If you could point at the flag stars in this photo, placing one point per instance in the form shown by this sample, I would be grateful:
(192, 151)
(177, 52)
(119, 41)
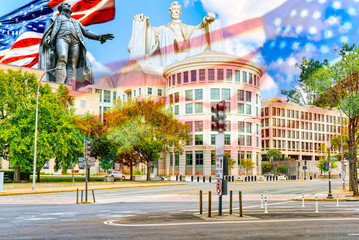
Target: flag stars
(277, 22)
(347, 26)
(299, 29)
(293, 12)
(332, 20)
(317, 15)
(295, 45)
(328, 34)
(337, 5)
(352, 11)
(304, 13)
(282, 45)
(344, 39)
(313, 30)
(324, 49)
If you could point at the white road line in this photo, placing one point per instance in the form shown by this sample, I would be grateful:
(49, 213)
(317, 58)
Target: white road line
(353, 234)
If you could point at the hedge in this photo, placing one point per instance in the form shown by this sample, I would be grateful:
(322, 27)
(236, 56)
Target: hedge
(10, 175)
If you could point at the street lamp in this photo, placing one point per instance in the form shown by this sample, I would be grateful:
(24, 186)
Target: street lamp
(330, 196)
(36, 116)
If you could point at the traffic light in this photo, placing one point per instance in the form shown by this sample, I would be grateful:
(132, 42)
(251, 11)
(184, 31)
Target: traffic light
(88, 148)
(219, 117)
(326, 164)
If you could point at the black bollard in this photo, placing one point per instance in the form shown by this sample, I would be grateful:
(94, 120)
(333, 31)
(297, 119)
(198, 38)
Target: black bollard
(252, 178)
(197, 178)
(176, 177)
(276, 178)
(232, 178)
(240, 204)
(210, 179)
(209, 204)
(93, 196)
(77, 196)
(255, 178)
(267, 178)
(200, 202)
(191, 178)
(204, 179)
(180, 178)
(230, 202)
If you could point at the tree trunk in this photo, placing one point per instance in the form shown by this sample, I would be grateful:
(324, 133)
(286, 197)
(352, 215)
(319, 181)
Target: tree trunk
(38, 177)
(17, 174)
(148, 170)
(131, 170)
(353, 185)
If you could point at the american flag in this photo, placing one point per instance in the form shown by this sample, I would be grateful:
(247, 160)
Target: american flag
(21, 30)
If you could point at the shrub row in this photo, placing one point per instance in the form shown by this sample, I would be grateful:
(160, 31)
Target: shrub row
(10, 175)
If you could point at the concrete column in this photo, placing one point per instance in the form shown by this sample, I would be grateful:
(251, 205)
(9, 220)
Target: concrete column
(206, 162)
(182, 164)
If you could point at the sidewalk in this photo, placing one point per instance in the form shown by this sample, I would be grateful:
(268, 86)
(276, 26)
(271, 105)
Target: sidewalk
(343, 195)
(23, 189)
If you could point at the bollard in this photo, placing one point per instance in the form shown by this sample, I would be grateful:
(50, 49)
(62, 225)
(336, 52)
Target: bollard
(176, 177)
(316, 203)
(267, 178)
(210, 179)
(197, 178)
(302, 199)
(180, 178)
(93, 196)
(245, 178)
(204, 179)
(276, 178)
(232, 178)
(265, 204)
(262, 201)
(255, 178)
(77, 196)
(270, 178)
(230, 202)
(337, 200)
(191, 178)
(82, 195)
(200, 201)
(252, 178)
(240, 204)
(209, 204)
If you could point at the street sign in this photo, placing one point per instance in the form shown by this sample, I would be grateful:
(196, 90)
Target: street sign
(219, 168)
(328, 144)
(219, 187)
(330, 166)
(219, 144)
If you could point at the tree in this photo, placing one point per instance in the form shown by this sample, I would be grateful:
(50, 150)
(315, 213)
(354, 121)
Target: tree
(335, 86)
(146, 128)
(321, 164)
(265, 167)
(274, 154)
(281, 169)
(247, 164)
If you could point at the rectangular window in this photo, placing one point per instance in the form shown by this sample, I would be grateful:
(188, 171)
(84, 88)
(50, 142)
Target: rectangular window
(189, 95)
(198, 126)
(173, 80)
(249, 140)
(190, 126)
(159, 92)
(240, 126)
(240, 95)
(176, 159)
(237, 75)
(215, 94)
(255, 80)
(241, 108)
(227, 139)
(248, 109)
(178, 78)
(171, 159)
(199, 157)
(220, 74)
(193, 76)
(248, 96)
(226, 94)
(198, 107)
(189, 158)
(228, 107)
(114, 96)
(139, 91)
(241, 140)
(198, 94)
(240, 157)
(189, 108)
(249, 127)
(210, 74)
(176, 110)
(185, 77)
(198, 139)
(149, 91)
(134, 93)
(229, 75)
(176, 97)
(213, 139)
(228, 126)
(250, 78)
(244, 76)
(107, 96)
(257, 99)
(202, 75)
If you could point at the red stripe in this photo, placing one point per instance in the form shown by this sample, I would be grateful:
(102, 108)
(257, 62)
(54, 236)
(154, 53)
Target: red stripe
(27, 42)
(14, 59)
(33, 62)
(54, 3)
(84, 5)
(99, 17)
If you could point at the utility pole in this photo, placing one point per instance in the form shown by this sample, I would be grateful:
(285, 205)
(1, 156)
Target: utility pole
(342, 150)
(330, 196)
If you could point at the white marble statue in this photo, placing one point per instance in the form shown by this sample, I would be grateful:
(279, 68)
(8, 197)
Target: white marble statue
(175, 41)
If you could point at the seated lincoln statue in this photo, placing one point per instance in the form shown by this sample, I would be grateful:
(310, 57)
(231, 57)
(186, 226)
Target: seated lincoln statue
(175, 41)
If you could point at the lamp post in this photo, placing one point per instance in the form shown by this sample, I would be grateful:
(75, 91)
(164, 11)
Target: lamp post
(330, 196)
(36, 116)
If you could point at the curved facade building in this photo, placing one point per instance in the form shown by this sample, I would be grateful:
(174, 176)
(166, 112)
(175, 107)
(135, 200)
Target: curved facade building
(195, 84)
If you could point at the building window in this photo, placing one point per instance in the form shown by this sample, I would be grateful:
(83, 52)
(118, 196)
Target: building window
(240, 157)
(173, 80)
(226, 94)
(228, 107)
(220, 74)
(134, 93)
(244, 74)
(159, 92)
(257, 99)
(189, 126)
(248, 109)
(211, 74)
(82, 103)
(198, 139)
(240, 95)
(176, 110)
(255, 80)
(114, 96)
(149, 91)
(250, 78)
(227, 139)
(215, 94)
(249, 127)
(213, 139)
(189, 158)
(202, 74)
(193, 76)
(176, 97)
(241, 108)
(171, 159)
(241, 140)
(198, 126)
(178, 78)
(189, 95)
(199, 158)
(248, 96)
(176, 159)
(139, 91)
(240, 126)
(249, 140)
(229, 75)
(198, 107)
(107, 96)
(237, 75)
(198, 94)
(189, 108)
(185, 77)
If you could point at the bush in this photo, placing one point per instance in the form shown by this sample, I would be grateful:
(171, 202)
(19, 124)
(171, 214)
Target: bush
(10, 175)
(281, 169)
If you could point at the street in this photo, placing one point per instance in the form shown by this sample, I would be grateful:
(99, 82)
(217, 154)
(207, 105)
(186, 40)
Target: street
(172, 213)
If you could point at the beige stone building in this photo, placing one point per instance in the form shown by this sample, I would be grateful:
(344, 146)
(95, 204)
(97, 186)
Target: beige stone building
(298, 131)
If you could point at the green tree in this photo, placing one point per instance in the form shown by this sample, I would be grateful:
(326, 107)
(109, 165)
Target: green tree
(265, 167)
(321, 164)
(247, 164)
(274, 154)
(281, 169)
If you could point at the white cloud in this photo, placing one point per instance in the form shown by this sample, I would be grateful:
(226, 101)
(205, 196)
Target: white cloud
(97, 66)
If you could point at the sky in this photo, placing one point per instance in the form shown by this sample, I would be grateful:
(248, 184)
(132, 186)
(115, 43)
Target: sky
(279, 67)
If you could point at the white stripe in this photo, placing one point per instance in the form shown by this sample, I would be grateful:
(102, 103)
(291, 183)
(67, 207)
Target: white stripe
(99, 6)
(29, 34)
(3, 52)
(22, 62)
(22, 51)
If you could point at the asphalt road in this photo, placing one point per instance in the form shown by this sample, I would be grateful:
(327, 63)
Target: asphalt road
(129, 213)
